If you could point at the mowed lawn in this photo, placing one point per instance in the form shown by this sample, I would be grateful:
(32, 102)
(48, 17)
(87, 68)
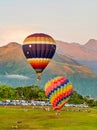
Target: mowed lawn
(36, 118)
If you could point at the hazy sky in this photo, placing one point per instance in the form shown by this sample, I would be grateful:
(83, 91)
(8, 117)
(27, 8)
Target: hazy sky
(66, 20)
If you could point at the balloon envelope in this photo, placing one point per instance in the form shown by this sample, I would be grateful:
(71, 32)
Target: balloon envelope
(58, 91)
(39, 49)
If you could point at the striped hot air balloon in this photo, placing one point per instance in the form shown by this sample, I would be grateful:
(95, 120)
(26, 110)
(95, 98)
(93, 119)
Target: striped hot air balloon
(39, 49)
(58, 91)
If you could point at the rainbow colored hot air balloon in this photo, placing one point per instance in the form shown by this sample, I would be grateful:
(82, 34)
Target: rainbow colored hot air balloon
(39, 49)
(58, 91)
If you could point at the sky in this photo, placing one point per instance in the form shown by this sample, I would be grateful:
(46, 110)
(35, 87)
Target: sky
(65, 20)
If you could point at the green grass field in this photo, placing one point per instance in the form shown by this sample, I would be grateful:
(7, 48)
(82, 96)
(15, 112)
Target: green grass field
(29, 118)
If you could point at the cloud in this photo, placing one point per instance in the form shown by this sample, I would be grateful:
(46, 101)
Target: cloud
(16, 76)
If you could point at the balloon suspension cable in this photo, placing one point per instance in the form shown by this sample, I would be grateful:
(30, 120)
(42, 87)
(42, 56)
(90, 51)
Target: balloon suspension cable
(38, 77)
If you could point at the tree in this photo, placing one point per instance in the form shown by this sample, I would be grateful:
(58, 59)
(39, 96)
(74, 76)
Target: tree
(41, 95)
(76, 98)
(6, 92)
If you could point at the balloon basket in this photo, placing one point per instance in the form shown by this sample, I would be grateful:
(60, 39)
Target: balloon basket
(38, 78)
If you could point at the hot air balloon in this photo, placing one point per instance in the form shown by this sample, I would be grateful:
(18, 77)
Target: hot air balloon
(39, 48)
(58, 91)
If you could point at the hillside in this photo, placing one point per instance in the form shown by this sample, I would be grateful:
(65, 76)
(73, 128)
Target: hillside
(84, 54)
(15, 71)
(79, 52)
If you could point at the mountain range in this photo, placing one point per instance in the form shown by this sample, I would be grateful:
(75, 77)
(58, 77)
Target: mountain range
(84, 54)
(70, 61)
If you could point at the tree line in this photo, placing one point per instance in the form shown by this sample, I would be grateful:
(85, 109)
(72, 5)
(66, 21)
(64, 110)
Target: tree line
(36, 93)
(18, 93)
